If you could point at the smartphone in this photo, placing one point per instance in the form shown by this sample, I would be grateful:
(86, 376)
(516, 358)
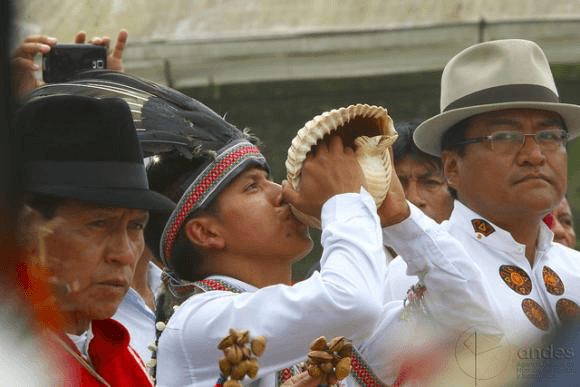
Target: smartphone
(64, 60)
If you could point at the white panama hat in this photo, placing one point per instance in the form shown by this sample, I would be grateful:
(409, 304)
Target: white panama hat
(490, 76)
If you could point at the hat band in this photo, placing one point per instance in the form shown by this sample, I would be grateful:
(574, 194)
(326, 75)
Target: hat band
(208, 183)
(95, 174)
(505, 93)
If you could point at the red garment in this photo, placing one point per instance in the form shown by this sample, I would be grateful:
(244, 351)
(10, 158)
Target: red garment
(110, 355)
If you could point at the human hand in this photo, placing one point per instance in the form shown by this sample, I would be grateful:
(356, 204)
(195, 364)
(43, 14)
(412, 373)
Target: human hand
(331, 170)
(115, 57)
(394, 208)
(23, 67)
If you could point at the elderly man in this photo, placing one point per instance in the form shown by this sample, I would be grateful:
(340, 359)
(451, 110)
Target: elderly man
(502, 136)
(86, 205)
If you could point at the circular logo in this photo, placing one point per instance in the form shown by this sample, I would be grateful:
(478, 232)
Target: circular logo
(516, 278)
(480, 356)
(536, 314)
(554, 284)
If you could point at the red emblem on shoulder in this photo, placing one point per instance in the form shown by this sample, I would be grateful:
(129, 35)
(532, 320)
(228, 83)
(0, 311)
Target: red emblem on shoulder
(554, 284)
(481, 226)
(536, 314)
(567, 310)
(516, 278)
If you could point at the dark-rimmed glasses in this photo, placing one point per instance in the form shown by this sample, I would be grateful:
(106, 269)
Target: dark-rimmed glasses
(512, 141)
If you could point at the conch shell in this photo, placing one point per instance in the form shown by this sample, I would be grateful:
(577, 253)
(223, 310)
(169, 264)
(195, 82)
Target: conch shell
(367, 129)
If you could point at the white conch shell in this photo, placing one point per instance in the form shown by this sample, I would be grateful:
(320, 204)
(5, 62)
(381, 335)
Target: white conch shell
(373, 132)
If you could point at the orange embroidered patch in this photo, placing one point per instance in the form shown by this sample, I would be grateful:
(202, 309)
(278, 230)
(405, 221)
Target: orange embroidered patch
(567, 310)
(481, 226)
(554, 284)
(536, 314)
(516, 278)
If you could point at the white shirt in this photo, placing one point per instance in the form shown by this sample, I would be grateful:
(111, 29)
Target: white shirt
(344, 299)
(338, 301)
(499, 252)
(137, 317)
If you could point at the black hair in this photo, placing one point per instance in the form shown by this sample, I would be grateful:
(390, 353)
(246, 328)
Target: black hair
(405, 146)
(170, 174)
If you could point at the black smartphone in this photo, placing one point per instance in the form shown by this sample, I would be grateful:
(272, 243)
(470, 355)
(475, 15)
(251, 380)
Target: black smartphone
(64, 60)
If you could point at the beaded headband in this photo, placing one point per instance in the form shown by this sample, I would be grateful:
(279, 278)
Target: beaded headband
(229, 163)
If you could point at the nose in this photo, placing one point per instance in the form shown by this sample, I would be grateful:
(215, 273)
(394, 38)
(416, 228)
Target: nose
(274, 192)
(122, 249)
(531, 152)
(559, 231)
(414, 193)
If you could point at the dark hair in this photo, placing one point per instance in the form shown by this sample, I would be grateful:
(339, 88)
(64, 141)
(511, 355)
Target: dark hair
(456, 134)
(405, 146)
(170, 174)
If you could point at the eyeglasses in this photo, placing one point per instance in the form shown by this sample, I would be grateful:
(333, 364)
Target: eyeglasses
(506, 142)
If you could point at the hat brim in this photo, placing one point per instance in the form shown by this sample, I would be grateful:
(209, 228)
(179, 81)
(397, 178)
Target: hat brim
(428, 135)
(125, 198)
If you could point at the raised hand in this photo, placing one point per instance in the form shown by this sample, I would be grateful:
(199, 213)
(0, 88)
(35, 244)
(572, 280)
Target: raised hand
(331, 170)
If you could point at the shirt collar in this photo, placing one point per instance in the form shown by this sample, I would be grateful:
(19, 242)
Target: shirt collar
(462, 217)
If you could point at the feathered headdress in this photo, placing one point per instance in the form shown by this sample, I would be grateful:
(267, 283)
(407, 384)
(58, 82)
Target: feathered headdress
(165, 119)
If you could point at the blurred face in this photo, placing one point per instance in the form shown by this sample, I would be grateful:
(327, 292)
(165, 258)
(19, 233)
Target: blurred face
(563, 228)
(502, 182)
(425, 187)
(93, 250)
(256, 223)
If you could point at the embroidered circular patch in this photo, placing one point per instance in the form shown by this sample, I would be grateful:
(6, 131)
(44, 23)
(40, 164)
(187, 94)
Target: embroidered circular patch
(536, 314)
(516, 278)
(554, 284)
(567, 310)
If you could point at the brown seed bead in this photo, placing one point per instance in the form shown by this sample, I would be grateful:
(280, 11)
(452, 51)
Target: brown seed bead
(342, 368)
(346, 350)
(226, 342)
(225, 366)
(336, 344)
(319, 355)
(252, 368)
(314, 371)
(258, 345)
(232, 383)
(238, 372)
(246, 353)
(233, 354)
(318, 344)
(326, 367)
(243, 337)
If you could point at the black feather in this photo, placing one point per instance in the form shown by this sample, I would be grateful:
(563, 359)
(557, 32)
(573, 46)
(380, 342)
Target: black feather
(165, 119)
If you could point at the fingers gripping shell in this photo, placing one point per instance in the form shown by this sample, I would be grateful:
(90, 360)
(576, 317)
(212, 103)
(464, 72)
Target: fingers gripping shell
(367, 129)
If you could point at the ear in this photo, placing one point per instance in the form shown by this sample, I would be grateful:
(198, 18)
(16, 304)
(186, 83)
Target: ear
(203, 232)
(450, 162)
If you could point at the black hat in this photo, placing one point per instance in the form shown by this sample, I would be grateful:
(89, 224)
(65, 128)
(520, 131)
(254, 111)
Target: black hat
(84, 148)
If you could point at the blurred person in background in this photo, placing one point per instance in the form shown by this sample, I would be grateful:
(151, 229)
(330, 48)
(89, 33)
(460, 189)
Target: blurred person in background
(421, 175)
(562, 224)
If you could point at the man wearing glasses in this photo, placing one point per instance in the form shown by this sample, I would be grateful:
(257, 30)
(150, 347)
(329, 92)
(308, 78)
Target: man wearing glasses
(502, 135)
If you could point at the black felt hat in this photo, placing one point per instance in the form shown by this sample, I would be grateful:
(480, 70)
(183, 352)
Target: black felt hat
(84, 148)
